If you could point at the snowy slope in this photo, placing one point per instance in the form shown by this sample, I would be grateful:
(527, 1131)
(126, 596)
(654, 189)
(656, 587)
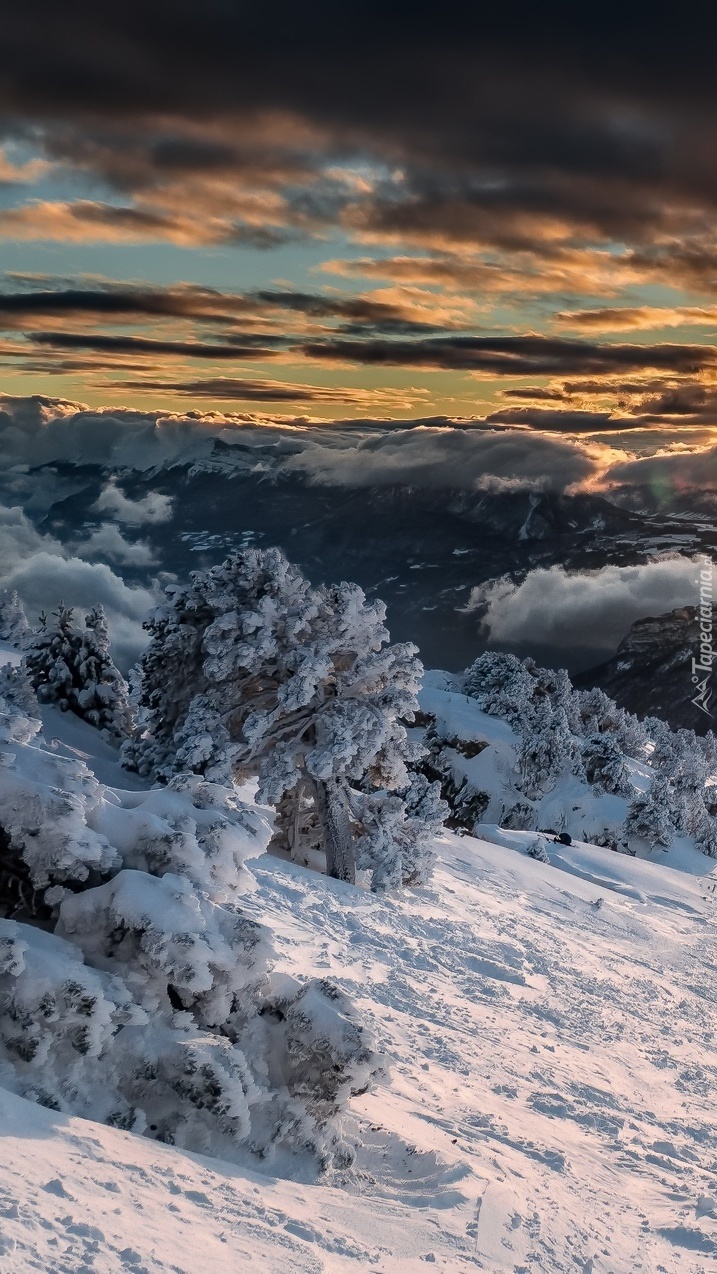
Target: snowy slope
(573, 805)
(549, 1034)
(550, 1107)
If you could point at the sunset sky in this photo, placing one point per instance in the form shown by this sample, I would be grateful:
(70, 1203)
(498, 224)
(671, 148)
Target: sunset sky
(347, 212)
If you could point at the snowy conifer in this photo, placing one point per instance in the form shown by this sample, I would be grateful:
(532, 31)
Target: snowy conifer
(14, 627)
(547, 749)
(650, 815)
(73, 667)
(704, 830)
(501, 685)
(598, 713)
(52, 655)
(538, 849)
(102, 698)
(604, 764)
(16, 690)
(252, 670)
(138, 992)
(563, 696)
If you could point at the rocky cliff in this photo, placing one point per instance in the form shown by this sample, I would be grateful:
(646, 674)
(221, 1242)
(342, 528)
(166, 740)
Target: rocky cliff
(650, 674)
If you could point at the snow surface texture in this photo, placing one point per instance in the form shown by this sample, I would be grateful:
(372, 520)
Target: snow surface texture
(550, 1033)
(551, 1105)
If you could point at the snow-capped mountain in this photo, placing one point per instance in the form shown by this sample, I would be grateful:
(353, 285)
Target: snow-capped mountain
(422, 550)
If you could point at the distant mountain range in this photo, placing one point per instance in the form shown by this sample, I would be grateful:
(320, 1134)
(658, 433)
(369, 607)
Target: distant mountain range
(421, 549)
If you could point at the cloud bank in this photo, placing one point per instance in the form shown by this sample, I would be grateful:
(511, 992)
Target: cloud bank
(45, 573)
(514, 449)
(590, 610)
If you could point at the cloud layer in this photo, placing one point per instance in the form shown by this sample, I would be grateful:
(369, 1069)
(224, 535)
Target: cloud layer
(45, 573)
(462, 193)
(589, 610)
(514, 449)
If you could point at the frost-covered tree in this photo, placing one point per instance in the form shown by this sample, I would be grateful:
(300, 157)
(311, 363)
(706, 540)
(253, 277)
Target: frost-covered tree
(103, 697)
(598, 714)
(138, 992)
(14, 627)
(73, 668)
(547, 749)
(250, 669)
(650, 816)
(538, 849)
(604, 764)
(663, 753)
(704, 830)
(52, 655)
(687, 767)
(16, 690)
(563, 696)
(397, 831)
(501, 684)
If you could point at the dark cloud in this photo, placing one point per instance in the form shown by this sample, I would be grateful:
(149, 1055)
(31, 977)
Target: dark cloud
(515, 355)
(511, 151)
(508, 124)
(148, 345)
(559, 421)
(234, 389)
(354, 314)
(142, 302)
(480, 459)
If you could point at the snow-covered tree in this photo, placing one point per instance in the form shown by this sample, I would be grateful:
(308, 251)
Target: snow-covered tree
(547, 748)
(501, 684)
(598, 713)
(539, 850)
(14, 627)
(138, 991)
(51, 656)
(250, 669)
(563, 696)
(650, 816)
(687, 767)
(73, 668)
(16, 690)
(103, 697)
(397, 831)
(705, 833)
(604, 764)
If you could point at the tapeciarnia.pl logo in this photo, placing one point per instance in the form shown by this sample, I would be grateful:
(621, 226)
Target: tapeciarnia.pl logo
(702, 670)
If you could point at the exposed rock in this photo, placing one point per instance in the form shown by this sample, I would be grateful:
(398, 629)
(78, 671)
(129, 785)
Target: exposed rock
(650, 674)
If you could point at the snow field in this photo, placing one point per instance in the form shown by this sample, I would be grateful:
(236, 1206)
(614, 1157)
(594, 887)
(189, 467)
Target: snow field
(550, 1105)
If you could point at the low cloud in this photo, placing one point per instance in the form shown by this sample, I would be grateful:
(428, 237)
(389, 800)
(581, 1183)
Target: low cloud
(528, 448)
(591, 610)
(452, 458)
(45, 573)
(108, 542)
(671, 472)
(151, 509)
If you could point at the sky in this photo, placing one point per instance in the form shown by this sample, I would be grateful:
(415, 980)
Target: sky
(505, 215)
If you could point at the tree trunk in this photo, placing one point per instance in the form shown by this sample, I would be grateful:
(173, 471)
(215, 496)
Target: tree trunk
(336, 829)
